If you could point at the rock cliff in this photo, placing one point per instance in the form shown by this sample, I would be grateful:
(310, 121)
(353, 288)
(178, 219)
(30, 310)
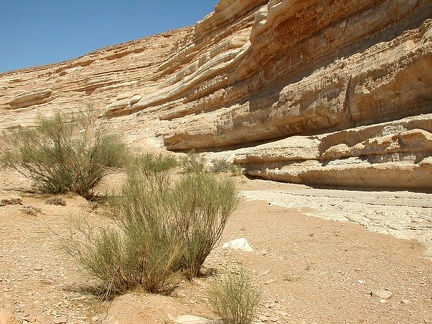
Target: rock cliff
(329, 92)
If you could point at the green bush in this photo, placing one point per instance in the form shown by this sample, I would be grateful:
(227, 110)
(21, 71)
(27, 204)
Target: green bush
(234, 298)
(122, 256)
(157, 228)
(220, 166)
(192, 162)
(63, 154)
(154, 169)
(201, 206)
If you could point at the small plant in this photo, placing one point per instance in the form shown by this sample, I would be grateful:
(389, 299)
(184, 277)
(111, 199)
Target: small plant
(291, 277)
(220, 166)
(55, 201)
(63, 154)
(155, 169)
(193, 162)
(234, 298)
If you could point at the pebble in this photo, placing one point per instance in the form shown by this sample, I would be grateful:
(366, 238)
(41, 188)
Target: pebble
(262, 318)
(381, 294)
(60, 320)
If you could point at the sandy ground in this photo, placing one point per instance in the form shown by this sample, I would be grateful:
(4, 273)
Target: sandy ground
(313, 263)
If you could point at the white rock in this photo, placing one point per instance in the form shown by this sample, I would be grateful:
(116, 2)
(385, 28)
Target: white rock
(231, 158)
(238, 244)
(382, 294)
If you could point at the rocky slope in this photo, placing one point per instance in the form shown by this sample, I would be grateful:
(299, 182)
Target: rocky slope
(333, 92)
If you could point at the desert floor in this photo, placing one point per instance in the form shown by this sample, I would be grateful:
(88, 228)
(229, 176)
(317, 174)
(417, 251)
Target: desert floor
(319, 256)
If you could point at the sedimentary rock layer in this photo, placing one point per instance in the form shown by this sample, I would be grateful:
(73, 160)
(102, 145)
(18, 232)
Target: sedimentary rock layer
(335, 92)
(395, 154)
(98, 78)
(314, 66)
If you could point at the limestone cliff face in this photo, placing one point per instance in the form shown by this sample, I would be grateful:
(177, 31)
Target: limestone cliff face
(111, 74)
(336, 92)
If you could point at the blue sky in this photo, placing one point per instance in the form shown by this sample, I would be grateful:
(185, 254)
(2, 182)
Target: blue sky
(37, 32)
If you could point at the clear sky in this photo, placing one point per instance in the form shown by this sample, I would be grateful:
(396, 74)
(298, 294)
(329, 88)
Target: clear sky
(37, 32)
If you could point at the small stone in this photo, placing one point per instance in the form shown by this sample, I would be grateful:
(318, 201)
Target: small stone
(360, 281)
(60, 320)
(405, 301)
(381, 294)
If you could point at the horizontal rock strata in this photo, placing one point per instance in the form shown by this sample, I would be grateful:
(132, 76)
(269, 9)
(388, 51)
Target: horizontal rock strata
(324, 92)
(392, 155)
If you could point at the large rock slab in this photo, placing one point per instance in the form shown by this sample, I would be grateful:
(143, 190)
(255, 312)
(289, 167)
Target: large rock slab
(389, 155)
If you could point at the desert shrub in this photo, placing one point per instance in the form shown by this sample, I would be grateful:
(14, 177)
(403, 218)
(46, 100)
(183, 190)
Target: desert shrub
(156, 228)
(121, 257)
(234, 298)
(201, 206)
(154, 168)
(63, 154)
(98, 250)
(220, 166)
(192, 162)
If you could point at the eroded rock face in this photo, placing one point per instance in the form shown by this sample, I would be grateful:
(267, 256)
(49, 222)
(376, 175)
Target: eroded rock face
(340, 91)
(390, 155)
(98, 78)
